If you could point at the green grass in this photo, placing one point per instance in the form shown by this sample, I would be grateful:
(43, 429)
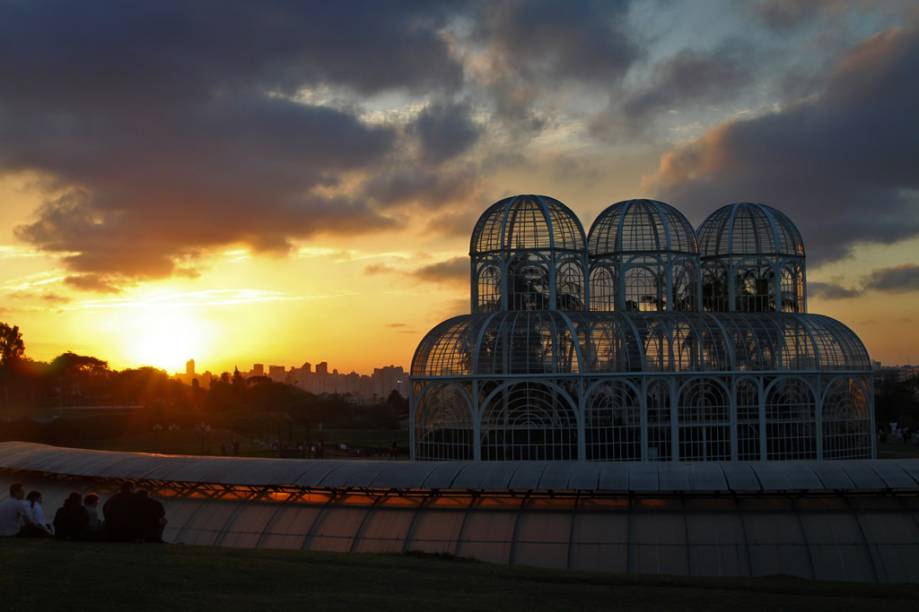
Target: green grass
(49, 575)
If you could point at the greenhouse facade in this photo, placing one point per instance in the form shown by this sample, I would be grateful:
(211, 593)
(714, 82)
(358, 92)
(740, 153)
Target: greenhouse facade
(643, 340)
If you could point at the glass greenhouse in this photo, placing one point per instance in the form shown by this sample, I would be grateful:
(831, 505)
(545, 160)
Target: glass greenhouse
(682, 345)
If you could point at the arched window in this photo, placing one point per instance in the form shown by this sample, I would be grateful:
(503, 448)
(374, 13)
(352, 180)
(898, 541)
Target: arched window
(846, 421)
(527, 282)
(489, 288)
(747, 399)
(714, 287)
(643, 291)
(754, 288)
(527, 422)
(569, 282)
(657, 401)
(792, 285)
(603, 288)
(790, 421)
(613, 425)
(443, 425)
(704, 421)
(684, 286)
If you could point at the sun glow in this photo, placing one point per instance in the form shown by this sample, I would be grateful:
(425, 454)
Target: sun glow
(166, 338)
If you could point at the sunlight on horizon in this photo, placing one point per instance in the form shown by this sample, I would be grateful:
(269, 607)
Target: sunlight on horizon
(166, 338)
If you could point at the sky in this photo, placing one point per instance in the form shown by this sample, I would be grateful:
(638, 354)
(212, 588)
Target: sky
(284, 182)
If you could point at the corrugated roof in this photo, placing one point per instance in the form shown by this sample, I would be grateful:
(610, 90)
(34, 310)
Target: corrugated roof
(636, 477)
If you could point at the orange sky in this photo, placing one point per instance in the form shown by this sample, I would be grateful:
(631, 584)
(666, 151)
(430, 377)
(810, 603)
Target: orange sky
(171, 187)
(320, 303)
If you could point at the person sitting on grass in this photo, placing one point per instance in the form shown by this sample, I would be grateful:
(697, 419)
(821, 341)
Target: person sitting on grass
(118, 511)
(151, 517)
(36, 526)
(94, 529)
(13, 514)
(71, 519)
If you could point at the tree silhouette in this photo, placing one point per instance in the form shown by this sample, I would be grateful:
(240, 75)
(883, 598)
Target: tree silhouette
(12, 348)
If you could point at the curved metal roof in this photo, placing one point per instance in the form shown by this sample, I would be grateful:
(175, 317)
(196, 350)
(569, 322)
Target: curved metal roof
(641, 226)
(749, 229)
(552, 342)
(527, 222)
(753, 477)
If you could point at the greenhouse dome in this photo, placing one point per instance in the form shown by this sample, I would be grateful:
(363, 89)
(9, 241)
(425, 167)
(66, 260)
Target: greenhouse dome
(643, 256)
(528, 253)
(752, 260)
(536, 374)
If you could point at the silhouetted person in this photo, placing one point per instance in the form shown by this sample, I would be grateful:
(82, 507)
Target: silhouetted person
(236, 448)
(13, 515)
(151, 517)
(37, 526)
(118, 511)
(71, 519)
(94, 528)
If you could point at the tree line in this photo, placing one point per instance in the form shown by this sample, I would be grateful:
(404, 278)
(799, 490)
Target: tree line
(36, 396)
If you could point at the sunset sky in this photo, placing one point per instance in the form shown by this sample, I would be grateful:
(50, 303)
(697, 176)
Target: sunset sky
(273, 182)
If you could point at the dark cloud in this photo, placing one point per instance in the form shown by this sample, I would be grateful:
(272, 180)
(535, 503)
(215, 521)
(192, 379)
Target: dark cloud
(842, 164)
(47, 297)
(374, 269)
(454, 223)
(91, 282)
(433, 188)
(898, 279)
(688, 78)
(831, 291)
(454, 271)
(784, 15)
(395, 325)
(540, 45)
(450, 272)
(574, 40)
(445, 131)
(163, 129)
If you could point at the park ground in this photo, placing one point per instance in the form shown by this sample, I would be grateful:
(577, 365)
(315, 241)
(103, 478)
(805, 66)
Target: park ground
(50, 575)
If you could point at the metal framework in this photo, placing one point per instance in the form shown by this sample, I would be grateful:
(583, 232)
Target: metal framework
(643, 257)
(527, 253)
(632, 368)
(752, 260)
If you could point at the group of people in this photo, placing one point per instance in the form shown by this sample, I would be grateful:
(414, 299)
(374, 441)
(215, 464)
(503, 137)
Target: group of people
(127, 516)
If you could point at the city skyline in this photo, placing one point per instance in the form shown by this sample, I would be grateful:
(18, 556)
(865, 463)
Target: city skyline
(337, 221)
(378, 384)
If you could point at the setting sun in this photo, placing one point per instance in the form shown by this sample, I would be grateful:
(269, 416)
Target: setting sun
(165, 338)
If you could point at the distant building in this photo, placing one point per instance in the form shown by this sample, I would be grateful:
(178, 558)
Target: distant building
(361, 387)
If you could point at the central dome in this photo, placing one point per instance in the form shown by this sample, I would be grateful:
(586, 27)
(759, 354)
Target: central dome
(635, 226)
(527, 222)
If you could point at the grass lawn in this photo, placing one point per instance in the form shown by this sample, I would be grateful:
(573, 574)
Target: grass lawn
(49, 575)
